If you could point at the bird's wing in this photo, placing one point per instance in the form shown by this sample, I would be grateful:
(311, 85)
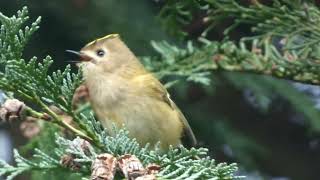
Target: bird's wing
(156, 90)
(191, 139)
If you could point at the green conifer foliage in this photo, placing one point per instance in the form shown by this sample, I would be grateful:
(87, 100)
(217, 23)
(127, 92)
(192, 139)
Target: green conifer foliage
(30, 81)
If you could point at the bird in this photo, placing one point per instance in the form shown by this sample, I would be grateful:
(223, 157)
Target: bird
(123, 93)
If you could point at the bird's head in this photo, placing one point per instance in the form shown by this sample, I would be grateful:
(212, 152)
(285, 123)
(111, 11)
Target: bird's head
(106, 54)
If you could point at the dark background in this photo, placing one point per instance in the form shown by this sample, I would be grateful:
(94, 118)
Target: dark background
(259, 122)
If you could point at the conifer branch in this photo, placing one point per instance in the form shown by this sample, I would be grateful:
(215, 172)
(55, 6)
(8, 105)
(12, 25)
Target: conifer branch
(285, 44)
(29, 81)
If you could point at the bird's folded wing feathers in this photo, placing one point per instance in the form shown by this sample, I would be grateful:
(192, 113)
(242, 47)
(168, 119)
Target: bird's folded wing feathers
(158, 91)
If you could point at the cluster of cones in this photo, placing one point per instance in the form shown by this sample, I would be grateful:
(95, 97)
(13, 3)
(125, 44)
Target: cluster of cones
(105, 166)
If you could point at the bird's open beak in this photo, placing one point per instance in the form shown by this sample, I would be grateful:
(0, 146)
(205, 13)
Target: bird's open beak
(83, 57)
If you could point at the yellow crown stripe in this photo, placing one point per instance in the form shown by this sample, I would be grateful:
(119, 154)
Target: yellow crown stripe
(102, 38)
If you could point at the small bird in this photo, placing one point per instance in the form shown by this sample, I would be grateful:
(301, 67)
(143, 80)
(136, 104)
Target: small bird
(123, 93)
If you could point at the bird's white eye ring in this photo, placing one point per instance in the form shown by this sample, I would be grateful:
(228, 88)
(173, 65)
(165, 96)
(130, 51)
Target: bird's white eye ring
(100, 52)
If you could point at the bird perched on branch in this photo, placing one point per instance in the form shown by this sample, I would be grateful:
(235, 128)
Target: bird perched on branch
(122, 92)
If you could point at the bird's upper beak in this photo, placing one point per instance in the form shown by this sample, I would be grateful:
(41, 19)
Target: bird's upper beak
(83, 57)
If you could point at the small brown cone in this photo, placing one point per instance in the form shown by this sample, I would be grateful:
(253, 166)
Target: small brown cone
(103, 167)
(12, 110)
(82, 144)
(131, 166)
(147, 177)
(153, 169)
(68, 162)
(30, 127)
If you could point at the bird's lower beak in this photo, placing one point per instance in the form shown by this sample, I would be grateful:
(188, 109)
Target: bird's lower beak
(83, 57)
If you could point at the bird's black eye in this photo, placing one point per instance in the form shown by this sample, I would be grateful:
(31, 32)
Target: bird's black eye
(100, 52)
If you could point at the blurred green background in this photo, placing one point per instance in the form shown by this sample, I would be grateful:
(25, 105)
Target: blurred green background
(262, 123)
